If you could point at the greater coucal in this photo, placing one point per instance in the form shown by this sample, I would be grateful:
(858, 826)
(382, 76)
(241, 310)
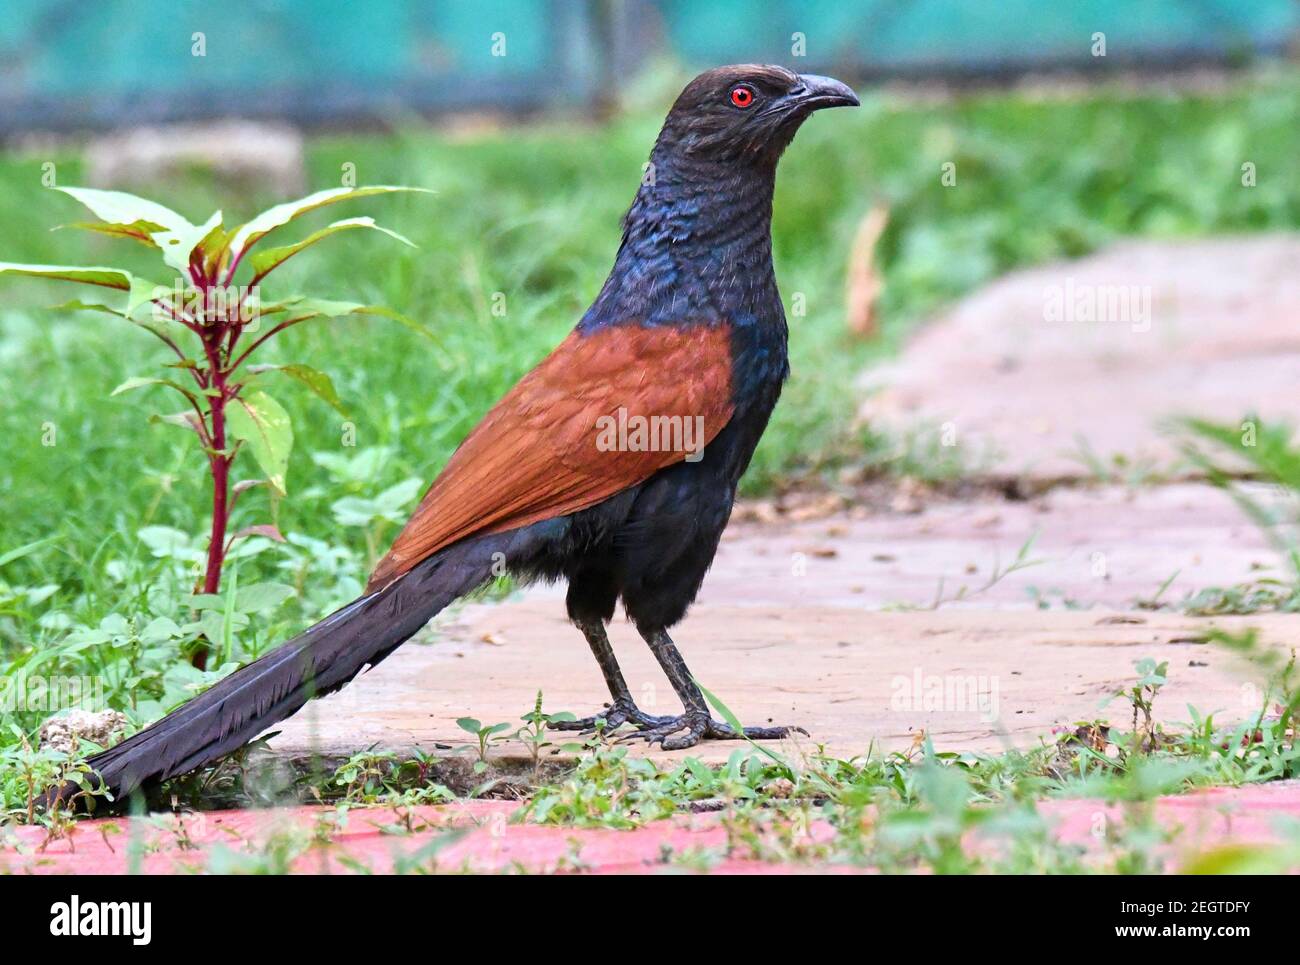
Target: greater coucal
(613, 464)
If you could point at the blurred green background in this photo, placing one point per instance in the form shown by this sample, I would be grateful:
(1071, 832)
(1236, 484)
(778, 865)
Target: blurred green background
(530, 208)
(326, 61)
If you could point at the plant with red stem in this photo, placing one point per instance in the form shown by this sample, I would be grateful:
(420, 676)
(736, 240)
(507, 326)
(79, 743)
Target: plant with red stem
(226, 323)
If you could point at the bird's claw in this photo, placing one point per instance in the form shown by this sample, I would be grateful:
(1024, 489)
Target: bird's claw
(698, 727)
(613, 717)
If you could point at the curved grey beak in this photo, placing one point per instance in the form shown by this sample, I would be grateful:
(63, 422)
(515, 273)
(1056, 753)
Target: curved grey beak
(818, 92)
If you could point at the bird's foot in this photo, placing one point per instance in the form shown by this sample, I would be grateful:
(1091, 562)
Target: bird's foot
(695, 727)
(614, 716)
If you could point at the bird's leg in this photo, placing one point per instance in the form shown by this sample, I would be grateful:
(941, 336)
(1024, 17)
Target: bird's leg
(695, 724)
(622, 709)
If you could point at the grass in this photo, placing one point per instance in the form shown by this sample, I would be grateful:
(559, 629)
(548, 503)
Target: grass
(909, 811)
(1259, 466)
(101, 527)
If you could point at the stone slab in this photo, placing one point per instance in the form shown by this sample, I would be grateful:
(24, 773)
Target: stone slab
(818, 622)
(1028, 393)
(1107, 546)
(855, 679)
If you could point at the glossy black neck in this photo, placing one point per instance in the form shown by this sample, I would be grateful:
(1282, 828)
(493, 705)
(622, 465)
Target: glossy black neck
(697, 247)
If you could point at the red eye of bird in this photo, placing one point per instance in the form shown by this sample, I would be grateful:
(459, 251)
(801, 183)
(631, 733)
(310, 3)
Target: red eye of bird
(742, 96)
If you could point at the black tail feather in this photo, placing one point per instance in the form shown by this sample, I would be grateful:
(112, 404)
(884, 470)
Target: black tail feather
(316, 662)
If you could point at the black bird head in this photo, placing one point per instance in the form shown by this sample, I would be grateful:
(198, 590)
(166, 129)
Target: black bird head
(747, 112)
(697, 240)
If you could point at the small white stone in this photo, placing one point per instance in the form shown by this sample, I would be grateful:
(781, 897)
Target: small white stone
(63, 733)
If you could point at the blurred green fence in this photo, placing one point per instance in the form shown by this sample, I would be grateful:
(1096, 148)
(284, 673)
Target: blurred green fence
(67, 64)
(952, 36)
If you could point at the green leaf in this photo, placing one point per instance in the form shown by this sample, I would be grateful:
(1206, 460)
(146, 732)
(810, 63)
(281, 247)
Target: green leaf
(79, 305)
(393, 500)
(104, 277)
(142, 292)
(185, 420)
(178, 245)
(301, 309)
(423, 857)
(140, 381)
(360, 511)
(722, 709)
(272, 218)
(126, 215)
(266, 261)
(314, 379)
(120, 208)
(267, 530)
(139, 291)
(215, 247)
(735, 723)
(205, 601)
(1234, 858)
(160, 629)
(258, 597)
(215, 625)
(354, 511)
(165, 542)
(263, 424)
(337, 309)
(141, 231)
(25, 550)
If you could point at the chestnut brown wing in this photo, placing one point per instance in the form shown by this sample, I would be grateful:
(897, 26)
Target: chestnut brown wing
(545, 449)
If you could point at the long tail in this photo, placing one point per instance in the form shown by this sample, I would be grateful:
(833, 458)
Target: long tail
(316, 662)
